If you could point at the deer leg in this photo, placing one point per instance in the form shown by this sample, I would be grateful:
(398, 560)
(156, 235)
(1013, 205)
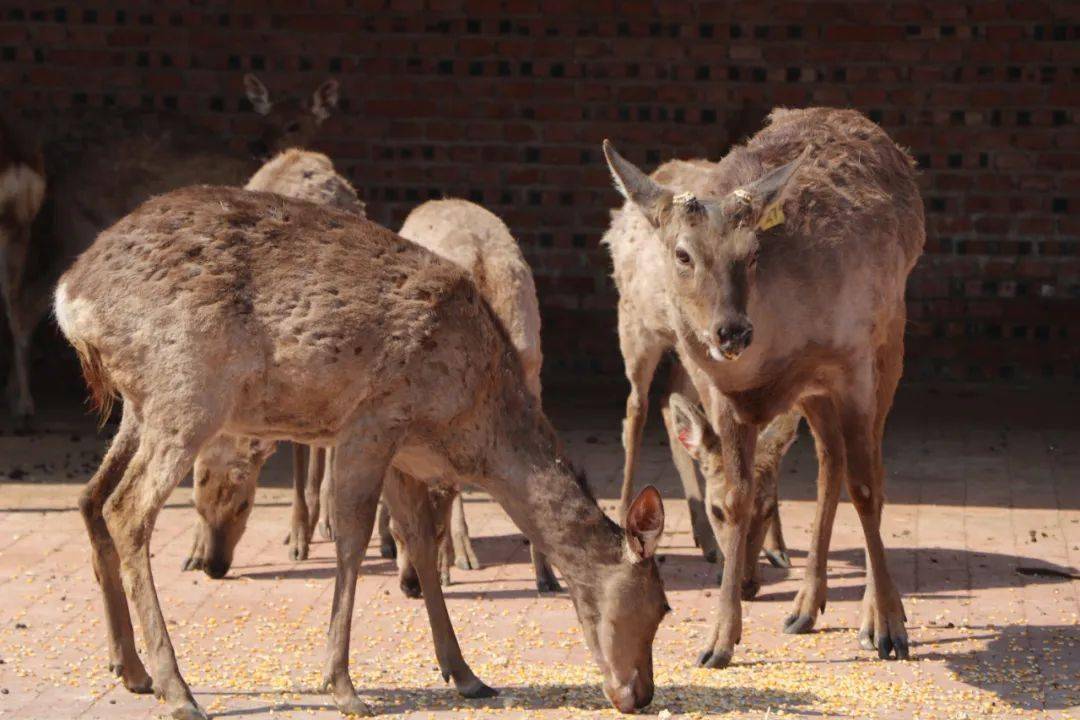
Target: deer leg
(123, 659)
(694, 488)
(641, 358)
(408, 580)
(14, 242)
(326, 498)
(829, 443)
(889, 368)
(463, 553)
(415, 514)
(196, 559)
(884, 613)
(546, 582)
(387, 547)
(160, 463)
(305, 485)
(313, 490)
(300, 458)
(446, 504)
(730, 505)
(775, 547)
(359, 466)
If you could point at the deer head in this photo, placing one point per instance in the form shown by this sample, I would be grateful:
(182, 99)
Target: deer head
(289, 123)
(712, 249)
(226, 472)
(622, 611)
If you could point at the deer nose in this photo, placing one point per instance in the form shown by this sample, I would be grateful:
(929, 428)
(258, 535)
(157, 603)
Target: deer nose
(735, 336)
(216, 569)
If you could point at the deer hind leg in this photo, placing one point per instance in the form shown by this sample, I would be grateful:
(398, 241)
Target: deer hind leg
(694, 488)
(462, 550)
(162, 460)
(881, 627)
(123, 659)
(641, 354)
(359, 465)
(730, 504)
(416, 513)
(824, 422)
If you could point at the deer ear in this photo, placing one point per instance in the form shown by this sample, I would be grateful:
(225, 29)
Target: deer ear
(691, 427)
(645, 524)
(634, 185)
(763, 195)
(324, 100)
(257, 94)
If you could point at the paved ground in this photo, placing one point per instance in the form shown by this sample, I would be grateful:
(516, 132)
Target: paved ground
(983, 522)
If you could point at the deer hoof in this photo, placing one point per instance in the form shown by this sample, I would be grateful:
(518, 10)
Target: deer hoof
(714, 659)
(388, 550)
(410, 588)
(709, 555)
(796, 624)
(750, 589)
(866, 640)
(887, 645)
(475, 689)
(778, 558)
(352, 705)
(192, 563)
(547, 585)
(298, 553)
(188, 711)
(140, 683)
(326, 530)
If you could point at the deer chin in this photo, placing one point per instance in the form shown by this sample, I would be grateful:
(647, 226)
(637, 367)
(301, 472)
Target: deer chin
(721, 355)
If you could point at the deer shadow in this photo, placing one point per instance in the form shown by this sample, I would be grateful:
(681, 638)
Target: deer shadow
(678, 699)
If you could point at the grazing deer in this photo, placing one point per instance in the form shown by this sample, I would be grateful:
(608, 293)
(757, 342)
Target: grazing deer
(765, 520)
(22, 190)
(113, 177)
(783, 274)
(478, 241)
(215, 309)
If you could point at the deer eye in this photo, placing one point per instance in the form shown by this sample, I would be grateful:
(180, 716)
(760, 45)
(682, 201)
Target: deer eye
(683, 257)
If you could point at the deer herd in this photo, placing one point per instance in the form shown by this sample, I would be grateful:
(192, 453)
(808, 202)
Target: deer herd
(403, 366)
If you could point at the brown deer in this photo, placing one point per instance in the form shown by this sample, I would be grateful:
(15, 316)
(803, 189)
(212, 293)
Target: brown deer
(783, 275)
(22, 190)
(215, 309)
(774, 442)
(114, 175)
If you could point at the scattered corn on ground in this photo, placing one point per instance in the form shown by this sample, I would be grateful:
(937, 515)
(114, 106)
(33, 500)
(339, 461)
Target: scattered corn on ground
(971, 501)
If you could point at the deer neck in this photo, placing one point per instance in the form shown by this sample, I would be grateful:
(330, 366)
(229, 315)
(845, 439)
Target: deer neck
(543, 496)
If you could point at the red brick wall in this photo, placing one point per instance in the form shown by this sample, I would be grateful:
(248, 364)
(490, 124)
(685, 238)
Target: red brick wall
(506, 101)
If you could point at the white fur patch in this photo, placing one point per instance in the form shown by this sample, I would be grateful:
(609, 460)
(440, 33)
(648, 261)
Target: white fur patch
(71, 314)
(22, 188)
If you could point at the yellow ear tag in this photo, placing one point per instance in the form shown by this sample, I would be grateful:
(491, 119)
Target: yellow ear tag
(771, 217)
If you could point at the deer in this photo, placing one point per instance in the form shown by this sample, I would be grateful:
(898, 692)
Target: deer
(214, 310)
(225, 477)
(766, 535)
(118, 172)
(22, 191)
(782, 274)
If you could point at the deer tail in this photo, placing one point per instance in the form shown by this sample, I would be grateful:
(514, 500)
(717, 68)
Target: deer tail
(103, 393)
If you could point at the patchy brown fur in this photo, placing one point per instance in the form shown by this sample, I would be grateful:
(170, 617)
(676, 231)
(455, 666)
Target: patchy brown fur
(808, 312)
(220, 310)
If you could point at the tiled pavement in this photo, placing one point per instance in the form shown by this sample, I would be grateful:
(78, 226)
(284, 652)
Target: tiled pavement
(983, 519)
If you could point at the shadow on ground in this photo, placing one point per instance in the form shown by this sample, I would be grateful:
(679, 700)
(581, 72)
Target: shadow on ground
(675, 698)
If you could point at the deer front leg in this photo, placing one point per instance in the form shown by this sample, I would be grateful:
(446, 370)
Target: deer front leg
(123, 659)
(304, 461)
(415, 519)
(775, 547)
(641, 354)
(387, 547)
(326, 498)
(196, 559)
(730, 505)
(359, 466)
(829, 442)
